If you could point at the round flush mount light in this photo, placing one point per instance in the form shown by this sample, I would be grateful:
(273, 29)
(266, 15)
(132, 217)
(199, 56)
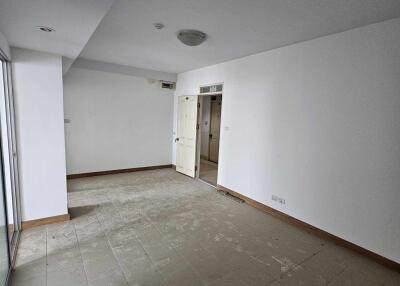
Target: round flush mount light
(191, 37)
(45, 29)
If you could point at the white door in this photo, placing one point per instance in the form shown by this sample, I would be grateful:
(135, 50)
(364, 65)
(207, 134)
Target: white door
(186, 135)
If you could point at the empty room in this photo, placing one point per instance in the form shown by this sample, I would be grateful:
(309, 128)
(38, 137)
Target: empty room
(199, 143)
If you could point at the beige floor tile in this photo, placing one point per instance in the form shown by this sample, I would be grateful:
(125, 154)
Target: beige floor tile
(162, 228)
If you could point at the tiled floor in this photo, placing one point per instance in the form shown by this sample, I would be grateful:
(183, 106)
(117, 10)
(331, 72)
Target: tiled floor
(208, 172)
(162, 228)
(3, 252)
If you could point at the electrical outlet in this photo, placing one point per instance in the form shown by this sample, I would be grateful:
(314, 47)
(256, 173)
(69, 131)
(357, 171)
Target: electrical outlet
(278, 199)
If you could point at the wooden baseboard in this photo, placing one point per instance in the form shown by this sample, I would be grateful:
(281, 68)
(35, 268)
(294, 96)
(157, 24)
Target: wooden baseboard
(47, 220)
(319, 232)
(173, 166)
(119, 171)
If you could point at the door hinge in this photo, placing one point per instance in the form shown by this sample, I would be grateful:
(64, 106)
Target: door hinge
(198, 105)
(197, 126)
(195, 168)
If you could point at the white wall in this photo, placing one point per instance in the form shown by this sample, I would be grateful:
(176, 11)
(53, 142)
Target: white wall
(122, 69)
(318, 124)
(40, 133)
(117, 121)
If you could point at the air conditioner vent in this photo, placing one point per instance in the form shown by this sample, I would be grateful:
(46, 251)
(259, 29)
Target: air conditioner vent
(167, 85)
(211, 89)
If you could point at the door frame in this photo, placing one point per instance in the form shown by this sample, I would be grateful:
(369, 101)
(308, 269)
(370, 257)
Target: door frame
(198, 140)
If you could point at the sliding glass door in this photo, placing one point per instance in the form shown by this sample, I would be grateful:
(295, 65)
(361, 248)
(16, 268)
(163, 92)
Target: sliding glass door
(9, 155)
(4, 237)
(10, 220)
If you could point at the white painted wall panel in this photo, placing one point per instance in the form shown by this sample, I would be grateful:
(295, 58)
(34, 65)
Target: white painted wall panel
(317, 123)
(38, 91)
(117, 121)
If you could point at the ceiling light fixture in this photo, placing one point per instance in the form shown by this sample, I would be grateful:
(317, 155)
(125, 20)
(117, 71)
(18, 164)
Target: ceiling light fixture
(45, 29)
(191, 37)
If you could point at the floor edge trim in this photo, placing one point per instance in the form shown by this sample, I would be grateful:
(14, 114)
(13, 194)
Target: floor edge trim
(43, 221)
(118, 171)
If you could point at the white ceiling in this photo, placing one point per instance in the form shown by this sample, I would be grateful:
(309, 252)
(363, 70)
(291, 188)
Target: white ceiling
(73, 20)
(126, 35)
(236, 28)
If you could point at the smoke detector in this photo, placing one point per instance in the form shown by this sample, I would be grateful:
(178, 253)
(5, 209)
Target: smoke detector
(45, 29)
(191, 37)
(158, 26)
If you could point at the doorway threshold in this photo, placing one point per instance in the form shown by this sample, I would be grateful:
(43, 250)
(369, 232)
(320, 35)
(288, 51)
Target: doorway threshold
(207, 183)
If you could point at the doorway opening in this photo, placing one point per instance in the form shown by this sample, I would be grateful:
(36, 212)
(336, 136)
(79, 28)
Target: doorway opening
(209, 129)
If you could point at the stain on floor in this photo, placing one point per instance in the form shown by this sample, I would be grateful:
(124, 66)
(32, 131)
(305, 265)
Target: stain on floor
(75, 212)
(163, 228)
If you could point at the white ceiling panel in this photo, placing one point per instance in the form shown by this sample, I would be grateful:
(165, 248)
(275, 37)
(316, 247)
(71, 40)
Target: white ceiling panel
(74, 22)
(236, 28)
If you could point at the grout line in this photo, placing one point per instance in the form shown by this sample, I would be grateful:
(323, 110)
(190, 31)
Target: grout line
(310, 257)
(111, 248)
(80, 252)
(141, 244)
(169, 245)
(340, 274)
(292, 270)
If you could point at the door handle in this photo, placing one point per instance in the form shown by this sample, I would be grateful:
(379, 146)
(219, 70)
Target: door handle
(176, 140)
